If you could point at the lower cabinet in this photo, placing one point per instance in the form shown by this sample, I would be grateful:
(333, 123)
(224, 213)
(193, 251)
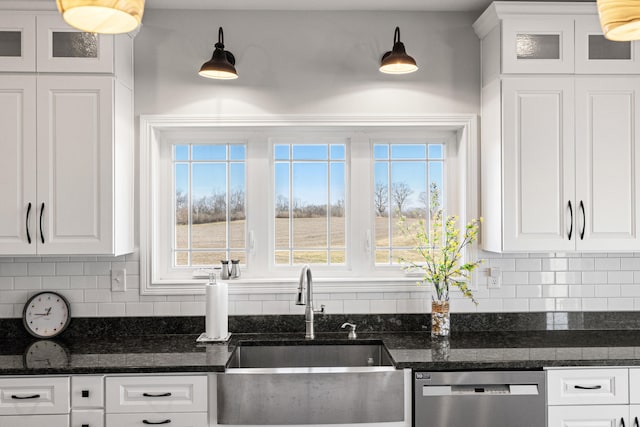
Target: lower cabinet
(104, 401)
(582, 397)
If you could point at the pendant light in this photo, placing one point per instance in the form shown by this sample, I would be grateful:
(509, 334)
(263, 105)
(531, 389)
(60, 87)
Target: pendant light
(102, 16)
(221, 64)
(620, 19)
(397, 61)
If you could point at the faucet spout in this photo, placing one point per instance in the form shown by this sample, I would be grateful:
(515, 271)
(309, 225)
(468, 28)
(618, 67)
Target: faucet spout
(305, 297)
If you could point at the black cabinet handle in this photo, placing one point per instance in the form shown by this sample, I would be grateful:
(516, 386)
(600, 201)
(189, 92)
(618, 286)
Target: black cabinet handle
(156, 422)
(33, 396)
(622, 422)
(85, 425)
(27, 223)
(584, 220)
(156, 394)
(588, 387)
(571, 214)
(41, 233)
(85, 393)
(635, 422)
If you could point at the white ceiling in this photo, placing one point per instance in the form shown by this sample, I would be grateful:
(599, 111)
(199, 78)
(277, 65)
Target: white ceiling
(398, 5)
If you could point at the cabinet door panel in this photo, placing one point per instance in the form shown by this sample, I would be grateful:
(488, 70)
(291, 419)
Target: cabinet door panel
(18, 164)
(35, 421)
(74, 164)
(17, 42)
(537, 45)
(64, 49)
(588, 416)
(538, 150)
(597, 55)
(607, 156)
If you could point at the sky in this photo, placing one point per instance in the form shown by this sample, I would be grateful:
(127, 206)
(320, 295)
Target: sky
(310, 172)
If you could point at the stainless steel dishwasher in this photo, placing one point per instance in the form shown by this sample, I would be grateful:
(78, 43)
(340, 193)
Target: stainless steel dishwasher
(479, 399)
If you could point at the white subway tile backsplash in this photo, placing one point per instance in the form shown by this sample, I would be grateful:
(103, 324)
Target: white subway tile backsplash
(383, 306)
(29, 282)
(277, 307)
(529, 282)
(13, 269)
(529, 264)
(581, 264)
(41, 269)
(620, 277)
(555, 264)
(70, 268)
(607, 264)
(111, 309)
(607, 290)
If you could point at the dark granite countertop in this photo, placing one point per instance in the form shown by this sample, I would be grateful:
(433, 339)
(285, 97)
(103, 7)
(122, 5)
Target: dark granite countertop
(463, 351)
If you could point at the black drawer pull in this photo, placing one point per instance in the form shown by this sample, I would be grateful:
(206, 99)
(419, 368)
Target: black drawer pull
(167, 394)
(33, 396)
(156, 422)
(588, 387)
(85, 425)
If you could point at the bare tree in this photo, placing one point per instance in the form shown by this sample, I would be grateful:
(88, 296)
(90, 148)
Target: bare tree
(381, 198)
(400, 192)
(434, 201)
(182, 208)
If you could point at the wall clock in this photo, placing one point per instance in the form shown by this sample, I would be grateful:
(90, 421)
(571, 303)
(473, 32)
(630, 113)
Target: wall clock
(46, 314)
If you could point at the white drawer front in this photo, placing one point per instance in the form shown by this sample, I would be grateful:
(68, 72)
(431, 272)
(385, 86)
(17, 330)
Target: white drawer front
(38, 395)
(169, 419)
(634, 386)
(156, 394)
(588, 416)
(34, 421)
(87, 391)
(87, 418)
(588, 386)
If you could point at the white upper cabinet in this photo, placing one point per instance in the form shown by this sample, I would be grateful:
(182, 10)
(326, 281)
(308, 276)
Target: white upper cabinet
(559, 146)
(66, 173)
(43, 42)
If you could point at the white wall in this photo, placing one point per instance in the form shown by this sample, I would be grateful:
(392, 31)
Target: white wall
(318, 63)
(315, 63)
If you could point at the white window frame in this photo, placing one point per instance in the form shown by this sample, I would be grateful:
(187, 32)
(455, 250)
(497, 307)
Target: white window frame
(360, 274)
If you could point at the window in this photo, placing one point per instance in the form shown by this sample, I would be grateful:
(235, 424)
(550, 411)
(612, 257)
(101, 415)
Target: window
(408, 182)
(309, 195)
(282, 195)
(209, 204)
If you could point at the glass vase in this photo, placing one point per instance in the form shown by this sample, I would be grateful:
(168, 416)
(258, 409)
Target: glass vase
(440, 323)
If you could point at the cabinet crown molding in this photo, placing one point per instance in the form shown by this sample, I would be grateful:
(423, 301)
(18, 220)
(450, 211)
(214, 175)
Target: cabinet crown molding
(499, 10)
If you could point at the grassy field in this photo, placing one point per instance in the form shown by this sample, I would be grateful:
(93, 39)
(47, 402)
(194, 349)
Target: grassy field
(308, 233)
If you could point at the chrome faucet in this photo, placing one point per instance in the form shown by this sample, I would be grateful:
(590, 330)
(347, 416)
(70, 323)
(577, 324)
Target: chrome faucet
(307, 300)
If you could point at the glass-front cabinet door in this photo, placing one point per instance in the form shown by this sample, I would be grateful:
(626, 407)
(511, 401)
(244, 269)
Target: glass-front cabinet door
(597, 55)
(17, 42)
(537, 45)
(62, 48)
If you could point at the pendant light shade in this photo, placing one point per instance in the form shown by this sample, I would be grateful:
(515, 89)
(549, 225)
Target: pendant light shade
(397, 61)
(620, 19)
(222, 63)
(102, 16)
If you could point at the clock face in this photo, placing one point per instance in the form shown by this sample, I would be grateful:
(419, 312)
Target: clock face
(46, 354)
(46, 314)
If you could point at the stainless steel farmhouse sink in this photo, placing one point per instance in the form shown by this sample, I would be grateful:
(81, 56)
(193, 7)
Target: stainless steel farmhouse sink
(310, 356)
(310, 383)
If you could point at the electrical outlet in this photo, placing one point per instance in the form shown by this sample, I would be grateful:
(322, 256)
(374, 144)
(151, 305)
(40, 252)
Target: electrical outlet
(493, 281)
(118, 280)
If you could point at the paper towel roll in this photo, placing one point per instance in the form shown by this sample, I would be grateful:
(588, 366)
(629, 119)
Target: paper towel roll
(217, 320)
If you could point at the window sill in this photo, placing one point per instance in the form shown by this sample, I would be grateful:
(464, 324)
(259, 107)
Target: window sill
(244, 286)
